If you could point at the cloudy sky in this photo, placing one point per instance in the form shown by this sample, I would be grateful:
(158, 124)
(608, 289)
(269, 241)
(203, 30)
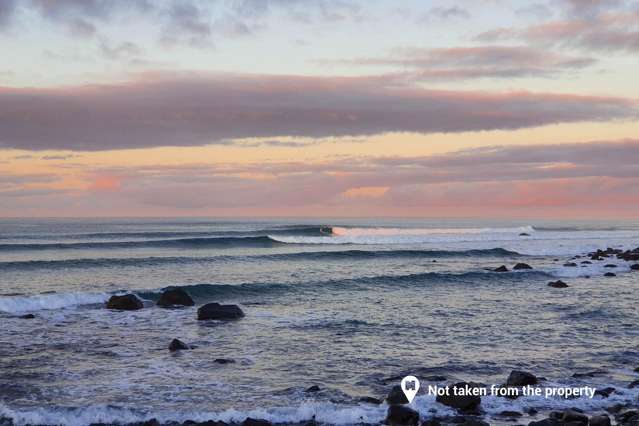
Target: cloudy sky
(471, 108)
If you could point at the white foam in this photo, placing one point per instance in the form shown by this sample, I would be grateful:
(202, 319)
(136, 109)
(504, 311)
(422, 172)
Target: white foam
(17, 304)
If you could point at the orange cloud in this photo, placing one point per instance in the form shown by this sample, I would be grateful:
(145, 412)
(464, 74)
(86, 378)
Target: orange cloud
(366, 192)
(105, 183)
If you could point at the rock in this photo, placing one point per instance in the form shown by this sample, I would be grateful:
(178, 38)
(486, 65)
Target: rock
(370, 400)
(630, 417)
(175, 297)
(127, 302)
(570, 264)
(431, 422)
(634, 384)
(586, 262)
(178, 345)
(557, 284)
(502, 268)
(523, 234)
(610, 265)
(400, 415)
(215, 311)
(636, 370)
(396, 396)
(521, 266)
(465, 403)
(224, 361)
(313, 388)
(471, 421)
(605, 392)
(27, 316)
(521, 378)
(599, 420)
(510, 414)
(590, 374)
(610, 274)
(546, 422)
(256, 422)
(634, 267)
(574, 418)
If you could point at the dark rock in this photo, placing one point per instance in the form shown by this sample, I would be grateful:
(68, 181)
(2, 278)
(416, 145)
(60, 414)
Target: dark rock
(570, 264)
(636, 370)
(431, 422)
(610, 274)
(400, 415)
(215, 311)
(633, 384)
(27, 316)
(605, 392)
(634, 267)
(521, 266)
(510, 414)
(547, 422)
(370, 400)
(586, 262)
(599, 420)
(175, 297)
(465, 403)
(557, 284)
(178, 345)
(628, 417)
(396, 396)
(224, 361)
(610, 265)
(127, 302)
(502, 268)
(256, 422)
(521, 378)
(531, 411)
(590, 374)
(523, 234)
(313, 388)
(574, 417)
(472, 421)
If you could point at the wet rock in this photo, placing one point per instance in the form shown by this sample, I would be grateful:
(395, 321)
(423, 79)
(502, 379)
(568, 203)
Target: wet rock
(312, 389)
(634, 267)
(610, 265)
(178, 345)
(557, 284)
(224, 361)
(605, 392)
(431, 422)
(502, 268)
(256, 422)
(370, 400)
(590, 374)
(463, 403)
(610, 274)
(396, 396)
(634, 384)
(27, 316)
(400, 415)
(174, 297)
(546, 422)
(600, 420)
(575, 418)
(519, 378)
(586, 262)
(521, 266)
(215, 311)
(524, 234)
(630, 417)
(127, 302)
(472, 421)
(510, 414)
(570, 265)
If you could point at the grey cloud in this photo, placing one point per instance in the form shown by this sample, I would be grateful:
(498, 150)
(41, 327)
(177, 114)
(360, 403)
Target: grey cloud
(196, 109)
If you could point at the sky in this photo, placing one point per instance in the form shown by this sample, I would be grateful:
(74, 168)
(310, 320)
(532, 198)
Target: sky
(340, 108)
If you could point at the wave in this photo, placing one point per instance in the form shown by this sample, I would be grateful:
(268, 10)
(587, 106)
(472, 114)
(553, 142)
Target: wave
(209, 292)
(373, 231)
(192, 243)
(310, 255)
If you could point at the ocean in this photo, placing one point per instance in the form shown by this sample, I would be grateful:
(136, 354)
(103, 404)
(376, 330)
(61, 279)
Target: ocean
(349, 306)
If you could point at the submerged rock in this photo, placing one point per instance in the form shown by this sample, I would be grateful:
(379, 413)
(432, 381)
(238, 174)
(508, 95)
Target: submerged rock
(557, 284)
(570, 265)
(634, 384)
(370, 400)
(215, 311)
(605, 392)
(519, 378)
(178, 345)
(600, 420)
(175, 297)
(256, 422)
(27, 316)
(463, 403)
(502, 268)
(312, 389)
(127, 302)
(524, 234)
(610, 274)
(399, 415)
(224, 361)
(521, 266)
(634, 267)
(396, 396)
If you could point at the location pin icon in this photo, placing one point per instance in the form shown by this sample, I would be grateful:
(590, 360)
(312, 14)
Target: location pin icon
(410, 386)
